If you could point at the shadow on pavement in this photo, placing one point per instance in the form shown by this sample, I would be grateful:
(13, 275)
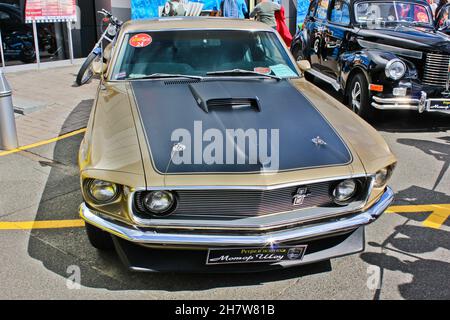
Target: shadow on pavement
(430, 277)
(440, 151)
(59, 249)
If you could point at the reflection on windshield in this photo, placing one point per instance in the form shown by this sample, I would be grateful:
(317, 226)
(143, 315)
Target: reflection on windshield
(379, 14)
(199, 52)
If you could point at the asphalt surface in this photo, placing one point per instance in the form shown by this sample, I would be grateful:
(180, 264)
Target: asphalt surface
(410, 259)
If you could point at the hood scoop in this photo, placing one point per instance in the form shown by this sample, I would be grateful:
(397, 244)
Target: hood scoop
(223, 96)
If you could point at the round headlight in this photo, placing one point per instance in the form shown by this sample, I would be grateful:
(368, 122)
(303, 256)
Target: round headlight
(102, 191)
(344, 191)
(382, 176)
(159, 202)
(395, 69)
(112, 31)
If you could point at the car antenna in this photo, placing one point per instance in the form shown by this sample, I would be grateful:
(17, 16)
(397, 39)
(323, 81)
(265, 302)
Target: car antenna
(176, 148)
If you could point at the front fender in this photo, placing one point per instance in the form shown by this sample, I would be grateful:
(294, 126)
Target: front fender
(372, 63)
(300, 42)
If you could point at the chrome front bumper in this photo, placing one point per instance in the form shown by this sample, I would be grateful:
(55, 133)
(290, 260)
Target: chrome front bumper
(404, 103)
(154, 237)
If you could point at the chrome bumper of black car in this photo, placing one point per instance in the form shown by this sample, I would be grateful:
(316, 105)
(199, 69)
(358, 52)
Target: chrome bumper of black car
(405, 103)
(196, 239)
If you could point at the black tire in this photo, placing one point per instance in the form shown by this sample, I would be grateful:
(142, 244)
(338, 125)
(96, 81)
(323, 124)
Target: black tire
(359, 97)
(98, 238)
(85, 74)
(297, 52)
(28, 54)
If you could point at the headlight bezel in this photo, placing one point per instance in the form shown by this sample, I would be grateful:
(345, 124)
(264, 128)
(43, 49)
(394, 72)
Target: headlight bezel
(89, 184)
(389, 67)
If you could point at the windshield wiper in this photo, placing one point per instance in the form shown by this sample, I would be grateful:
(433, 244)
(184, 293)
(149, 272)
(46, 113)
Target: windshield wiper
(243, 72)
(165, 75)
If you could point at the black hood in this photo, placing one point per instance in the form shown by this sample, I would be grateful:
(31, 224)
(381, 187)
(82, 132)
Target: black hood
(165, 106)
(409, 37)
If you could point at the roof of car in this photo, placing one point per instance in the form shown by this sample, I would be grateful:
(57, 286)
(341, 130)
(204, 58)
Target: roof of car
(193, 23)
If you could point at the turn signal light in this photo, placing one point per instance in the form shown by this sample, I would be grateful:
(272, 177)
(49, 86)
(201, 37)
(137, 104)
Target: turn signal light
(376, 87)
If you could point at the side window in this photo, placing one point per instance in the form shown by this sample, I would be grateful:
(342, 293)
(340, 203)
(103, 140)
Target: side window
(340, 12)
(322, 8)
(443, 18)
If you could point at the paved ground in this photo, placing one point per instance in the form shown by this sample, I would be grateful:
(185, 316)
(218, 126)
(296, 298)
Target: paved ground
(409, 249)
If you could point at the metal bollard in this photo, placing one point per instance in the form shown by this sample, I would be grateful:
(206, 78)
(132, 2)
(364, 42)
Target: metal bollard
(8, 132)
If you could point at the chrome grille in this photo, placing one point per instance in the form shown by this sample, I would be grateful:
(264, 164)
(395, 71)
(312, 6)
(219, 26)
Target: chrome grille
(226, 203)
(436, 69)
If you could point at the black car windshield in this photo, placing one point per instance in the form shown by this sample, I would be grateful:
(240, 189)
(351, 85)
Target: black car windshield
(388, 13)
(202, 53)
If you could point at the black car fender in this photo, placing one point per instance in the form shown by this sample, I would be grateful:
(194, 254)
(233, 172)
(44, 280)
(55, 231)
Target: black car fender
(300, 42)
(372, 63)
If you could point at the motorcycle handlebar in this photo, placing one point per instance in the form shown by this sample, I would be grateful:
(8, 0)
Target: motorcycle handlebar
(108, 14)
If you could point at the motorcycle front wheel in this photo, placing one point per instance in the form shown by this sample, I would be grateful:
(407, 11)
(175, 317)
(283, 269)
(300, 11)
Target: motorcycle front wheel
(85, 74)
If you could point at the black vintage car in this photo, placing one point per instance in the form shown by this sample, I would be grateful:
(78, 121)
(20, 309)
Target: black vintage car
(385, 55)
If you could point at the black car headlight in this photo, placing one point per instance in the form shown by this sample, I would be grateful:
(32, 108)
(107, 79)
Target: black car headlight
(382, 176)
(159, 202)
(344, 191)
(395, 69)
(101, 191)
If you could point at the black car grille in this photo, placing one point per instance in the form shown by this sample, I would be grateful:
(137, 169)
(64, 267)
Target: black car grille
(245, 203)
(436, 69)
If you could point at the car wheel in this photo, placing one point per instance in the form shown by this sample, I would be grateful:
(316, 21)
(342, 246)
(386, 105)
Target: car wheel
(27, 54)
(98, 238)
(297, 53)
(359, 97)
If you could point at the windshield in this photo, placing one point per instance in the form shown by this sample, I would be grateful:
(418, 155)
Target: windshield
(199, 52)
(381, 14)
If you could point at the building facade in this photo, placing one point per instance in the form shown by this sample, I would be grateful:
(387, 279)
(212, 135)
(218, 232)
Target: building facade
(18, 42)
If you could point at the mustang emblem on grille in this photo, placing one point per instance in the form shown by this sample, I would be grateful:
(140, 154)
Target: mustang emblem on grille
(300, 196)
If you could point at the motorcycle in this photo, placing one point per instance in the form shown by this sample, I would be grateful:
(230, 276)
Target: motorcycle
(19, 46)
(86, 72)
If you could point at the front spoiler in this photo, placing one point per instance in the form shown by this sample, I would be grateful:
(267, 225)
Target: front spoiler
(229, 239)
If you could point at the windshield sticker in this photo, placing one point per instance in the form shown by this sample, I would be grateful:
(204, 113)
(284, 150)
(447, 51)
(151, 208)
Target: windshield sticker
(121, 75)
(282, 70)
(140, 40)
(264, 70)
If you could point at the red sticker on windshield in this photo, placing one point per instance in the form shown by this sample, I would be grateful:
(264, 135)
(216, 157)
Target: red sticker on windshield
(140, 40)
(262, 70)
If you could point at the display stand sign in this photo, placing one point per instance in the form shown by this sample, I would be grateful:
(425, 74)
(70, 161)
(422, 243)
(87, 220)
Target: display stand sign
(48, 11)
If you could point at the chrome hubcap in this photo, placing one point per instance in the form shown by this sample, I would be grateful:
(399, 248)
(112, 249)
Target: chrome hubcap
(356, 97)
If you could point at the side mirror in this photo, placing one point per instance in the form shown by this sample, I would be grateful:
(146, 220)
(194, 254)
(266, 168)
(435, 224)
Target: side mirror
(303, 65)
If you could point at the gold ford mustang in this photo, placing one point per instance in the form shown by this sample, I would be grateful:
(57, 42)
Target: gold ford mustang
(207, 151)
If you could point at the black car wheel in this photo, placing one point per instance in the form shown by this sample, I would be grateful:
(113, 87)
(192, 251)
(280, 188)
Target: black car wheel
(359, 97)
(297, 53)
(27, 54)
(98, 238)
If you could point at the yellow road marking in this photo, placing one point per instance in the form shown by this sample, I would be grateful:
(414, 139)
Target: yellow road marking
(47, 224)
(439, 213)
(44, 142)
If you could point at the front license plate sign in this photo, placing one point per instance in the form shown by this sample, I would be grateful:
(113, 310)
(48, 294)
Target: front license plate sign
(439, 104)
(251, 255)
